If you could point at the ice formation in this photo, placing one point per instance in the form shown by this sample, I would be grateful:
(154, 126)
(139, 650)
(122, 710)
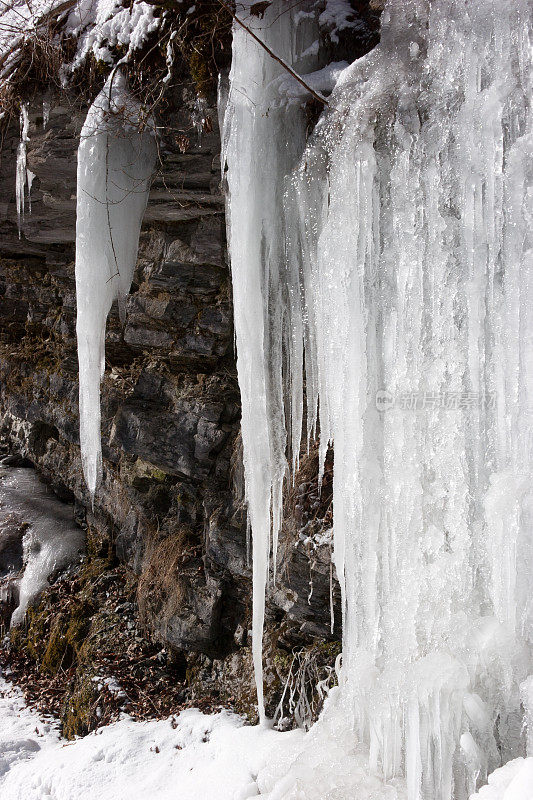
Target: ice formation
(116, 158)
(22, 173)
(46, 112)
(260, 150)
(398, 267)
(51, 540)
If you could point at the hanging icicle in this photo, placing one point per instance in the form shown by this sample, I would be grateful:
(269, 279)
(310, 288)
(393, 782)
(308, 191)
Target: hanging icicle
(116, 159)
(262, 143)
(22, 173)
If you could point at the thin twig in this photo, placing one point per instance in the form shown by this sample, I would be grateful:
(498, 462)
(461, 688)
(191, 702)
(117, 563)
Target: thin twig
(117, 273)
(271, 53)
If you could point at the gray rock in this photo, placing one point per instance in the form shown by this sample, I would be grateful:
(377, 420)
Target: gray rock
(169, 398)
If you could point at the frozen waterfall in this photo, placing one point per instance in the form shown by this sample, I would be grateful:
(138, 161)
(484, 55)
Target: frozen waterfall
(116, 158)
(392, 255)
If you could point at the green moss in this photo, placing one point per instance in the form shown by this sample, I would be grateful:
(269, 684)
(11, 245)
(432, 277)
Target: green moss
(92, 570)
(142, 475)
(329, 650)
(56, 652)
(157, 474)
(205, 44)
(35, 639)
(282, 660)
(16, 638)
(79, 624)
(53, 638)
(78, 715)
(191, 674)
(66, 633)
(66, 636)
(200, 72)
(97, 633)
(97, 544)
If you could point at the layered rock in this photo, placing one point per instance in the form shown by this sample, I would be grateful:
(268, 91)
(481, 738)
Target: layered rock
(170, 505)
(171, 495)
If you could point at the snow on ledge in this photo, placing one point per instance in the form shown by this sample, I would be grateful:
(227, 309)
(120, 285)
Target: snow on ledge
(99, 26)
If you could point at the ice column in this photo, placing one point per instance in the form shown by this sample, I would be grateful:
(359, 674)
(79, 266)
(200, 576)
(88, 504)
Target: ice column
(116, 159)
(416, 195)
(262, 142)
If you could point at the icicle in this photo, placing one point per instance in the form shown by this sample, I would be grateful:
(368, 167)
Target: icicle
(169, 57)
(199, 117)
(21, 171)
(526, 692)
(116, 158)
(46, 113)
(331, 605)
(29, 178)
(261, 143)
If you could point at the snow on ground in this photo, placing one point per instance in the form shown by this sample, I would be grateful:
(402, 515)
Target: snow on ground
(189, 757)
(23, 733)
(192, 756)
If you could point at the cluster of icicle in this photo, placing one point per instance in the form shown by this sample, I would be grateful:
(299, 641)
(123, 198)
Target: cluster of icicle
(392, 253)
(116, 159)
(260, 149)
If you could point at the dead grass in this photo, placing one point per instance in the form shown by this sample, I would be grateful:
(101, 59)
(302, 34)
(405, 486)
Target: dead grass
(162, 588)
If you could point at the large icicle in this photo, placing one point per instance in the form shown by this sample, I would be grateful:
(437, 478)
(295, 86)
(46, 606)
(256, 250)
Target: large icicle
(408, 279)
(262, 144)
(116, 158)
(22, 173)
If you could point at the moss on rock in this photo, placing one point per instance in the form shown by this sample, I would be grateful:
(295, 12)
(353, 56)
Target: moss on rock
(78, 713)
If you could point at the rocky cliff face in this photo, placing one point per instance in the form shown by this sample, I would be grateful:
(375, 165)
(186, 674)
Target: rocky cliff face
(166, 535)
(170, 501)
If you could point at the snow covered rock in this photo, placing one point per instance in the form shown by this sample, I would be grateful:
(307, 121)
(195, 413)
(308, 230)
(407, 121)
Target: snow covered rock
(51, 540)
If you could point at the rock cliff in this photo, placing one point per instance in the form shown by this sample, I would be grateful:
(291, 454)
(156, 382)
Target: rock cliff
(170, 504)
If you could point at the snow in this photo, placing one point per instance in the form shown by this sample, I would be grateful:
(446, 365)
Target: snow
(19, 20)
(99, 25)
(399, 263)
(51, 541)
(321, 80)
(103, 24)
(116, 159)
(192, 756)
(22, 732)
(338, 15)
(514, 781)
(112, 685)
